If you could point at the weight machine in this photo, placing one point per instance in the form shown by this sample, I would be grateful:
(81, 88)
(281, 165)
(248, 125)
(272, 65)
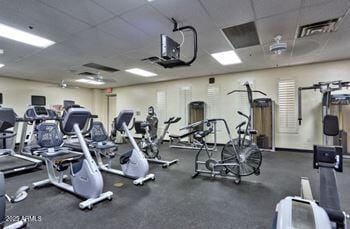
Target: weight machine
(326, 88)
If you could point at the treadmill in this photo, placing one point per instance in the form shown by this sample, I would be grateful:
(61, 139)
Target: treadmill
(11, 162)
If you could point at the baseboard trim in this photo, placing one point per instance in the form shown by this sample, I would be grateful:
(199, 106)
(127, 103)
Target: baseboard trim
(294, 150)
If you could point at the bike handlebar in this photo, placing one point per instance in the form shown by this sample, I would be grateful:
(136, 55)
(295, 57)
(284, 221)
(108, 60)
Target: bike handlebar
(244, 115)
(172, 120)
(240, 125)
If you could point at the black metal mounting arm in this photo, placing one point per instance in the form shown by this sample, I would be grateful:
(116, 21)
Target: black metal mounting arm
(195, 46)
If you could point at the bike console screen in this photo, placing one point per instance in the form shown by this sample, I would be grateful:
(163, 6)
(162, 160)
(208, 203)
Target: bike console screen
(40, 111)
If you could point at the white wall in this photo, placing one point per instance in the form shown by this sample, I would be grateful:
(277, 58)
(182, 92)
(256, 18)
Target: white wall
(17, 95)
(139, 97)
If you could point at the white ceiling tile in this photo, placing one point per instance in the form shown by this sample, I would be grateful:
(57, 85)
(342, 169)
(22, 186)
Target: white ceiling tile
(283, 24)
(191, 13)
(322, 12)
(149, 21)
(345, 23)
(229, 13)
(339, 41)
(309, 45)
(266, 8)
(249, 54)
(94, 42)
(126, 32)
(315, 2)
(213, 41)
(14, 51)
(45, 21)
(118, 7)
(84, 10)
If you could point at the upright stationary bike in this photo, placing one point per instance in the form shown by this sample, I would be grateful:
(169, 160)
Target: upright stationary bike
(150, 142)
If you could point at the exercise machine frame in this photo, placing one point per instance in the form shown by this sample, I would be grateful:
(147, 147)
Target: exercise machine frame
(149, 146)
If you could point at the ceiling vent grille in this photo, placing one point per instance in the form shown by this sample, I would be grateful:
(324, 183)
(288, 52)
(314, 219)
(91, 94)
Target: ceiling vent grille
(101, 67)
(87, 74)
(241, 36)
(321, 27)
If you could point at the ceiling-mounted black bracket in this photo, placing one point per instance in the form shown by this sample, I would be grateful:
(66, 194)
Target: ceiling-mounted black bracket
(177, 62)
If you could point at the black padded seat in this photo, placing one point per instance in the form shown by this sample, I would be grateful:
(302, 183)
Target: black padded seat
(202, 134)
(183, 135)
(105, 145)
(253, 132)
(331, 125)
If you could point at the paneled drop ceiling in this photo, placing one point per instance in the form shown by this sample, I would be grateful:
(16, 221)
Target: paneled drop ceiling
(119, 33)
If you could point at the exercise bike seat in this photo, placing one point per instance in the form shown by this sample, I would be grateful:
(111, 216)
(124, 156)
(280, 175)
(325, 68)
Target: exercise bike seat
(250, 132)
(202, 134)
(105, 145)
(52, 152)
(253, 132)
(183, 135)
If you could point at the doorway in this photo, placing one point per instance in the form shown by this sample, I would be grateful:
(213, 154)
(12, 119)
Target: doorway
(111, 110)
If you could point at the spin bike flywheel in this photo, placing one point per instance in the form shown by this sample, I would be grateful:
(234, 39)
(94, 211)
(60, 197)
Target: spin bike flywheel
(248, 158)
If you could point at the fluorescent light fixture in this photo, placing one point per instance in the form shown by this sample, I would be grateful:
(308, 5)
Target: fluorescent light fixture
(227, 58)
(24, 37)
(89, 81)
(2, 65)
(140, 72)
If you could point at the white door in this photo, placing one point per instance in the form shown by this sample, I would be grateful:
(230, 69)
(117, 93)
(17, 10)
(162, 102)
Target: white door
(111, 110)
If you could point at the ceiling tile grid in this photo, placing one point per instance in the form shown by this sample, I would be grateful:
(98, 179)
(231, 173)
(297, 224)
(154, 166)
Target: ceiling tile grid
(125, 32)
(45, 21)
(118, 7)
(148, 20)
(266, 8)
(282, 24)
(119, 33)
(84, 10)
(227, 13)
(321, 12)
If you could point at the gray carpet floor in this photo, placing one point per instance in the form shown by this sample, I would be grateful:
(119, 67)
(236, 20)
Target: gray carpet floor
(174, 200)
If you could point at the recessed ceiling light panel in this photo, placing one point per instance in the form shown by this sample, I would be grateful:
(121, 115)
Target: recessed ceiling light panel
(141, 72)
(89, 81)
(227, 58)
(2, 65)
(24, 37)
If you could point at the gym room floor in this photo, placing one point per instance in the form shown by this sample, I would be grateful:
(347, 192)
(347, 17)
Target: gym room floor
(174, 200)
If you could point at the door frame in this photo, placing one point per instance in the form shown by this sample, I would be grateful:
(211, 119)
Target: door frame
(108, 118)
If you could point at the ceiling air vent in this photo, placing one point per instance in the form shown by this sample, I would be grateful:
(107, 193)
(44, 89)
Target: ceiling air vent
(321, 27)
(243, 35)
(101, 67)
(87, 74)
